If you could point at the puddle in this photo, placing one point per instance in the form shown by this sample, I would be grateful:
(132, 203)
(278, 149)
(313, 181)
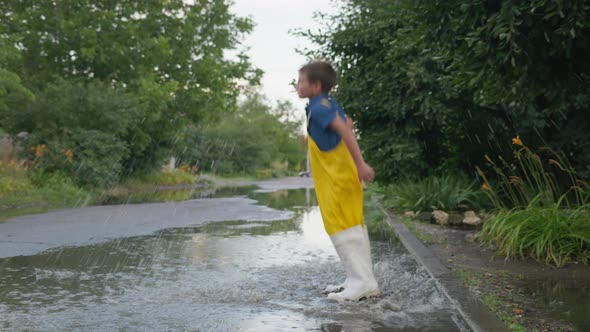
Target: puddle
(240, 275)
(565, 301)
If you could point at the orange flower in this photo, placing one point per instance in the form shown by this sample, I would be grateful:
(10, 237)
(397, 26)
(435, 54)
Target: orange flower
(486, 187)
(69, 154)
(554, 162)
(39, 149)
(517, 141)
(515, 180)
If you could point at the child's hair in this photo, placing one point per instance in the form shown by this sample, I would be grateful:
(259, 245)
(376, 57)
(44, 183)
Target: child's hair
(321, 71)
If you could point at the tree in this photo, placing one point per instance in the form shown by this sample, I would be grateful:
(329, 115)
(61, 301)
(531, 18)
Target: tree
(170, 54)
(245, 141)
(13, 93)
(436, 85)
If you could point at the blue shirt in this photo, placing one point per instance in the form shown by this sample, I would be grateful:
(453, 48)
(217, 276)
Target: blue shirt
(321, 111)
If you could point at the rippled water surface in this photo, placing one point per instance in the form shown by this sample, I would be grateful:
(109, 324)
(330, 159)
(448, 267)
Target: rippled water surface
(240, 275)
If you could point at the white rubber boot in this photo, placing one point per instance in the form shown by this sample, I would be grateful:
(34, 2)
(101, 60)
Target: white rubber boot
(354, 252)
(367, 244)
(342, 286)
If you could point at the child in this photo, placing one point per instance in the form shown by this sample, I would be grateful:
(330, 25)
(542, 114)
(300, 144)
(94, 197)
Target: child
(337, 168)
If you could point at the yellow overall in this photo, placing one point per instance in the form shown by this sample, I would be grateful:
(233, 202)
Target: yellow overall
(338, 188)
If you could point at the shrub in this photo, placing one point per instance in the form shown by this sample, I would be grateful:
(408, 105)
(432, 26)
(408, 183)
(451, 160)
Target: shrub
(435, 192)
(542, 208)
(549, 234)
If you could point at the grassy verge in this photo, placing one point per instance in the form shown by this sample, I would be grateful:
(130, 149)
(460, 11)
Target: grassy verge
(376, 222)
(423, 236)
(542, 208)
(552, 235)
(503, 309)
(21, 194)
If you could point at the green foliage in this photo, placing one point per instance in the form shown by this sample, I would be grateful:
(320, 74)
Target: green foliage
(126, 41)
(12, 95)
(88, 122)
(24, 192)
(542, 208)
(531, 181)
(447, 192)
(433, 85)
(264, 173)
(162, 178)
(167, 58)
(10, 184)
(376, 224)
(252, 139)
(549, 234)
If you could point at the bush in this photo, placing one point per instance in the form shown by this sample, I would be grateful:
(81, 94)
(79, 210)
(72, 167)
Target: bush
(549, 234)
(447, 192)
(531, 181)
(542, 208)
(435, 84)
(264, 173)
(78, 129)
(162, 178)
(252, 139)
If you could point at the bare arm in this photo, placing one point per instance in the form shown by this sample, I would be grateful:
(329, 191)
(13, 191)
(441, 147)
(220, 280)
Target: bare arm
(344, 129)
(349, 123)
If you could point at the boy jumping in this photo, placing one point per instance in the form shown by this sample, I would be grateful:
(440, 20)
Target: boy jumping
(337, 168)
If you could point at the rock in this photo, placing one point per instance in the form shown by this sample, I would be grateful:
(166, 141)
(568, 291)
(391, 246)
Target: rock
(471, 219)
(439, 217)
(410, 214)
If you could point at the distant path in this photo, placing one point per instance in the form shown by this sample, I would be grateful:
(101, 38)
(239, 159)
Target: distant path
(29, 235)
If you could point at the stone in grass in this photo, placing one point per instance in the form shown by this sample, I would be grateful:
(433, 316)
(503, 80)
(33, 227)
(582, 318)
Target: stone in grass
(471, 219)
(439, 217)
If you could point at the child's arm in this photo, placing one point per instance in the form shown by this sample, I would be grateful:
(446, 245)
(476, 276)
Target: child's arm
(365, 171)
(349, 123)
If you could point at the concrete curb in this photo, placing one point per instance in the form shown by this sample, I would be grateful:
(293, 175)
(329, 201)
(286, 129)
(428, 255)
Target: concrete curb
(475, 313)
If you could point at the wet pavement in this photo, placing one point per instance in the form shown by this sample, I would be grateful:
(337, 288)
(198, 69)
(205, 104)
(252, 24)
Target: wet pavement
(255, 263)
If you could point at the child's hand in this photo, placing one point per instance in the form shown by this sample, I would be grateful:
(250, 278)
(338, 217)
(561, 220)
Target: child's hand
(366, 173)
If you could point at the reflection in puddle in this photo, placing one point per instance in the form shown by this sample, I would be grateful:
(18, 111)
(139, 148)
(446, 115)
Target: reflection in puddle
(563, 300)
(227, 276)
(172, 195)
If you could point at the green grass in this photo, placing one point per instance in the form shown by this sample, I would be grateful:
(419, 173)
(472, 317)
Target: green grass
(411, 224)
(536, 215)
(22, 192)
(19, 196)
(470, 278)
(552, 234)
(376, 222)
(446, 192)
(163, 178)
(496, 305)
